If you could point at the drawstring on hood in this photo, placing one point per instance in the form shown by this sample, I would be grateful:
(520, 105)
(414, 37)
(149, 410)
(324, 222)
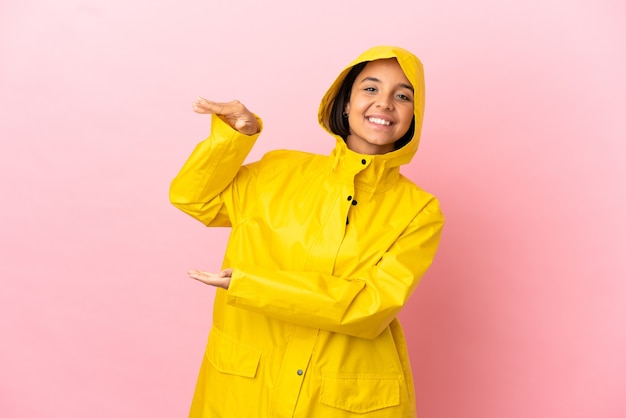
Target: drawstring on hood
(413, 69)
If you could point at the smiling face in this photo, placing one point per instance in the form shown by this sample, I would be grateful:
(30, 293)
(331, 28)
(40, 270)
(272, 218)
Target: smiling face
(380, 109)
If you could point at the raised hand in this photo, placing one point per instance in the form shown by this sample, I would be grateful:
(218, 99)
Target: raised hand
(234, 113)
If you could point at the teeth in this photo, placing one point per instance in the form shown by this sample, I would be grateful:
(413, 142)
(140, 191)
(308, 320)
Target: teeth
(379, 121)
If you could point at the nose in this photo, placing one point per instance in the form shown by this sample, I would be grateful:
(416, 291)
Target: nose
(385, 102)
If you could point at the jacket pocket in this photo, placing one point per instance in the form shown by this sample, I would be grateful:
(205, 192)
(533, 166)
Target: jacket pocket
(230, 356)
(360, 393)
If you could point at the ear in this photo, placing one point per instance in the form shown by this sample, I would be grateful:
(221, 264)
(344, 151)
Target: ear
(347, 108)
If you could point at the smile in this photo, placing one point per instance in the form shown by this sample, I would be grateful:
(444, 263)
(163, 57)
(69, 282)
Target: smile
(379, 121)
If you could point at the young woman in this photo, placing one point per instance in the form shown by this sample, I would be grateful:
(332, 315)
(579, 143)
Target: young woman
(324, 252)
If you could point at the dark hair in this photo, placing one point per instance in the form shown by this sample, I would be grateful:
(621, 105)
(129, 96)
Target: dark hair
(339, 124)
(406, 138)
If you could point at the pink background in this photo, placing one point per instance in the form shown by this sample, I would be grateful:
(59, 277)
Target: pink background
(524, 311)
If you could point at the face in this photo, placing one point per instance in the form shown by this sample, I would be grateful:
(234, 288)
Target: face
(380, 109)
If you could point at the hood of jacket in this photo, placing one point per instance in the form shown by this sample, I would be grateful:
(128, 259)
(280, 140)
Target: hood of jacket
(413, 69)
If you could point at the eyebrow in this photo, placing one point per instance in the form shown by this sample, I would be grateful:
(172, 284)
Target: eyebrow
(406, 86)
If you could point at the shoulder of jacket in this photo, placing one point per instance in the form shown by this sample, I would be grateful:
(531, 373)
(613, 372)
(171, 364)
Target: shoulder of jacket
(287, 154)
(411, 187)
(279, 160)
(284, 166)
(415, 193)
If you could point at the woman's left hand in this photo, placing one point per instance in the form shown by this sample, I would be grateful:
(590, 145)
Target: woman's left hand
(221, 279)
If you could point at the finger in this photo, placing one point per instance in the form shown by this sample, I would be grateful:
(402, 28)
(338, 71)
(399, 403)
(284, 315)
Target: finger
(210, 279)
(201, 273)
(201, 105)
(222, 108)
(205, 280)
(203, 276)
(198, 108)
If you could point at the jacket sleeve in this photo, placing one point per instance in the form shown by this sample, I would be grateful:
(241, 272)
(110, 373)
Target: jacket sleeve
(210, 170)
(361, 306)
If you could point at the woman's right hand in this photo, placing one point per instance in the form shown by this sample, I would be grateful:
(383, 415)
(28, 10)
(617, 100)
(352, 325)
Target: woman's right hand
(234, 113)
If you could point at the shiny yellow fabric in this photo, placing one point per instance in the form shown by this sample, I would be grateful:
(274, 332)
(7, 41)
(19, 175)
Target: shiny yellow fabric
(326, 250)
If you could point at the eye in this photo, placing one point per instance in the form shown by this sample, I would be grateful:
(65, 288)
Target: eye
(370, 89)
(404, 97)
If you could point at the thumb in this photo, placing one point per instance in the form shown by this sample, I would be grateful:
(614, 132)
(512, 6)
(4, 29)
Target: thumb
(226, 272)
(247, 125)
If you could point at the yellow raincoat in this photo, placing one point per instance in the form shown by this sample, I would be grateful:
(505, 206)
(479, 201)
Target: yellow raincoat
(326, 250)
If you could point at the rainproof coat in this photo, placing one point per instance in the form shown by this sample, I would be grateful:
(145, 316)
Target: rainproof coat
(326, 250)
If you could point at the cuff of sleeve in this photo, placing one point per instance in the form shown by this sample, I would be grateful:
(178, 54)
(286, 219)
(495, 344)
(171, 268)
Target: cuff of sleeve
(233, 286)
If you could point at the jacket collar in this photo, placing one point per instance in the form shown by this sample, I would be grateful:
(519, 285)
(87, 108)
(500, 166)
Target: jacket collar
(368, 173)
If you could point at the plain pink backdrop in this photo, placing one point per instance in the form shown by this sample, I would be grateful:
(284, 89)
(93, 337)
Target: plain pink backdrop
(524, 311)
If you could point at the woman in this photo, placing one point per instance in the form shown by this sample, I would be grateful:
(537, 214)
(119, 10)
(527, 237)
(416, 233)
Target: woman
(324, 252)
